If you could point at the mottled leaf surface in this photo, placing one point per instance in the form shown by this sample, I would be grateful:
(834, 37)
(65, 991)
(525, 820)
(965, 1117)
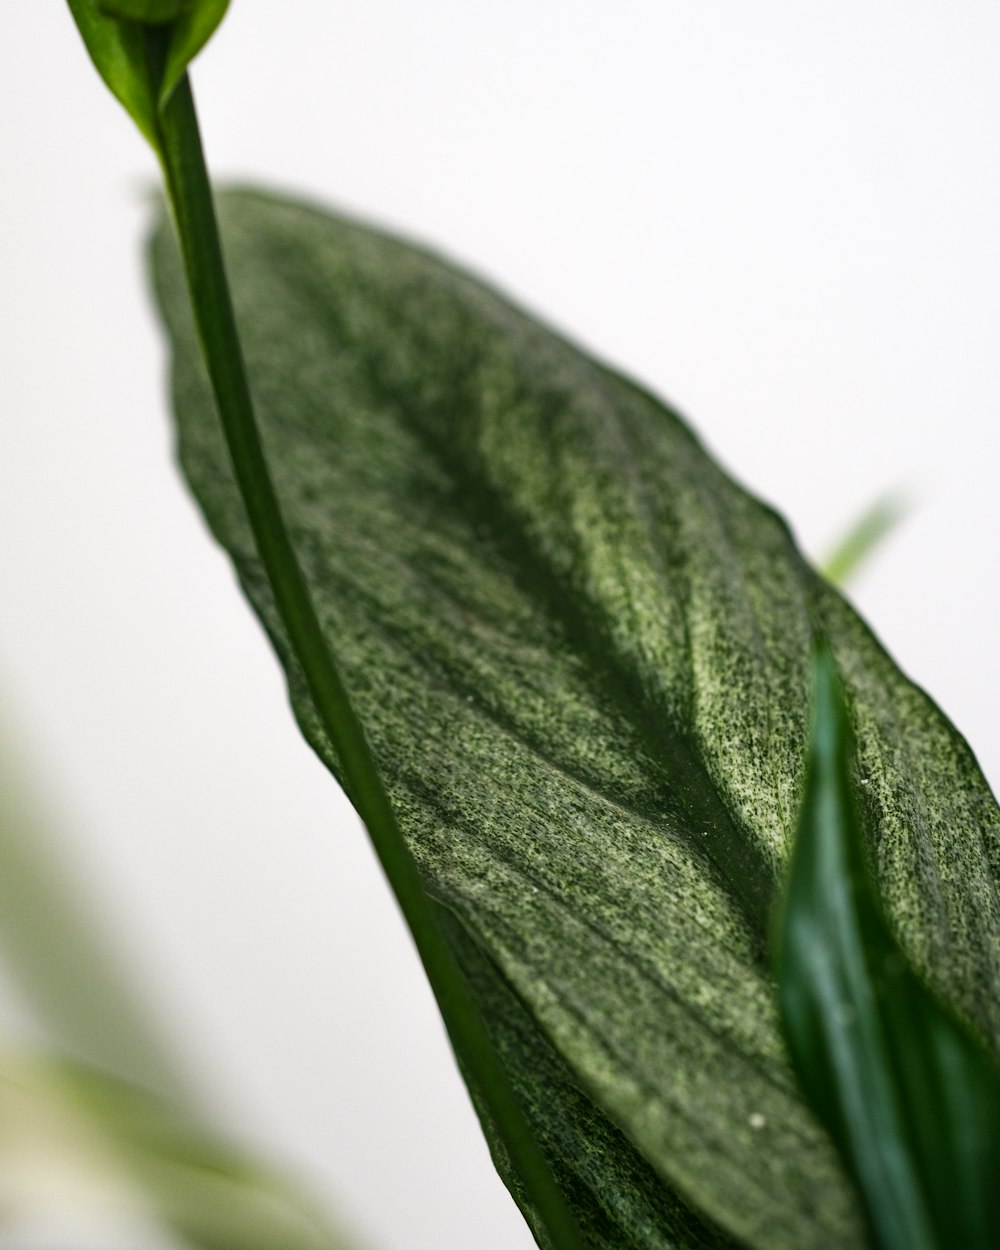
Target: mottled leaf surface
(614, 1193)
(581, 654)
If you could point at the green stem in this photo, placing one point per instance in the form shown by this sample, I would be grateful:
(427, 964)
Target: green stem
(191, 198)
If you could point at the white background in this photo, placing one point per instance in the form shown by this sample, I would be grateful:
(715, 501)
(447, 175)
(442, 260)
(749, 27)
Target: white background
(782, 216)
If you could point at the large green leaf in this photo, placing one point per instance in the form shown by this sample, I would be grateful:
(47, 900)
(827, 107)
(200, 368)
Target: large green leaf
(581, 655)
(911, 1098)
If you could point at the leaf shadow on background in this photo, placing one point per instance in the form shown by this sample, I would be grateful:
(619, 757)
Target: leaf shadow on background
(581, 653)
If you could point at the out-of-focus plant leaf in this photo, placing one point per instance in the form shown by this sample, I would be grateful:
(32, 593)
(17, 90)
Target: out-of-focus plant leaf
(581, 654)
(909, 1095)
(73, 1136)
(60, 951)
(143, 74)
(863, 537)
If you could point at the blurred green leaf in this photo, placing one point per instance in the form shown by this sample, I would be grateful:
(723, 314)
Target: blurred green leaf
(581, 655)
(74, 1138)
(60, 950)
(909, 1095)
(71, 1133)
(141, 48)
(863, 537)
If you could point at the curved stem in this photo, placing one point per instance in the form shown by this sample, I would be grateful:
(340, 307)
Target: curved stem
(191, 199)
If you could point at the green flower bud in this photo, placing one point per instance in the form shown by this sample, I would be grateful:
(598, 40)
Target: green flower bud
(149, 12)
(142, 48)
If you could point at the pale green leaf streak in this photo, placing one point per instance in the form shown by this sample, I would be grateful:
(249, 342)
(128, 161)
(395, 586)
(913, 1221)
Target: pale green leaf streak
(909, 1095)
(72, 1136)
(581, 656)
(857, 545)
(142, 48)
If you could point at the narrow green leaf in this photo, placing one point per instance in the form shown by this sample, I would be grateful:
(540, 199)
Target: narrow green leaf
(72, 1136)
(141, 74)
(581, 656)
(863, 537)
(910, 1096)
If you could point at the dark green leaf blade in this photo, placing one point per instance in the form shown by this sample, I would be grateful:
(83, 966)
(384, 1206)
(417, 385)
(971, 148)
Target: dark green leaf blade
(581, 655)
(909, 1095)
(616, 1197)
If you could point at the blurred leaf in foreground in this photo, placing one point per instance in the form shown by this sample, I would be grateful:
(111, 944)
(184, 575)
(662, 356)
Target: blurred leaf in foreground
(75, 1139)
(72, 971)
(909, 1095)
(853, 550)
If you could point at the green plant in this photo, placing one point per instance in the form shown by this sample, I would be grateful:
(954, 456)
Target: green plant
(585, 703)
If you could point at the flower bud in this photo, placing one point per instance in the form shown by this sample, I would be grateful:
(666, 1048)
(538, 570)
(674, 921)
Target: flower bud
(149, 12)
(117, 34)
